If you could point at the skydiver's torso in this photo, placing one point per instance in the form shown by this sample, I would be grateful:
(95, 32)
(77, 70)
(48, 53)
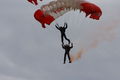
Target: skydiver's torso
(67, 49)
(62, 30)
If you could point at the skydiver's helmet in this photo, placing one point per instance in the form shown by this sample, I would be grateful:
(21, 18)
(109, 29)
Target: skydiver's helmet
(66, 45)
(62, 29)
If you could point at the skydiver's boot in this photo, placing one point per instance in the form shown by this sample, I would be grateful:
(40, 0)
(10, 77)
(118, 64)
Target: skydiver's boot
(42, 18)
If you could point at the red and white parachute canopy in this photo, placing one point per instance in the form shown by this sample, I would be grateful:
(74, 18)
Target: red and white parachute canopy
(53, 10)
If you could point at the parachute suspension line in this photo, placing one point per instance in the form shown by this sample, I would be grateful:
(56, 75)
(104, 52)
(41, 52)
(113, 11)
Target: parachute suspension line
(67, 17)
(75, 19)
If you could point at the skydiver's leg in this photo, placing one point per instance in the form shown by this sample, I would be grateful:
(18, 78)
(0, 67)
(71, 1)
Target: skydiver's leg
(67, 38)
(69, 58)
(62, 38)
(64, 58)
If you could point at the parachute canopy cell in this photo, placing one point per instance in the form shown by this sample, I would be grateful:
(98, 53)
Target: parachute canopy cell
(35, 2)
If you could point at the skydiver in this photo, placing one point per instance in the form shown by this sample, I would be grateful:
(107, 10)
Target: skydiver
(62, 30)
(67, 48)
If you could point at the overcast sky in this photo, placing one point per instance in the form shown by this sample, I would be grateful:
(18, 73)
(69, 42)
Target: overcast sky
(29, 52)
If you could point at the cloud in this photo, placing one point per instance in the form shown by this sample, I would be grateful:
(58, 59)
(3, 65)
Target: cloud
(4, 77)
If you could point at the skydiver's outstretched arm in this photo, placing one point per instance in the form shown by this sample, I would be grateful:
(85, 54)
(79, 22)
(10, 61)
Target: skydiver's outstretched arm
(57, 26)
(65, 25)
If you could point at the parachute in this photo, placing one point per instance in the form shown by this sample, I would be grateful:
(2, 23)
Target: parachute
(53, 10)
(33, 2)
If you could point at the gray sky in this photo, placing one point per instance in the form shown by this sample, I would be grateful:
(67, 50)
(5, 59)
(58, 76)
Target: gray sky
(29, 52)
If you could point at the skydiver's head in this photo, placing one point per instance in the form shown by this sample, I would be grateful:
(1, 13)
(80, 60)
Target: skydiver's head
(61, 27)
(67, 45)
